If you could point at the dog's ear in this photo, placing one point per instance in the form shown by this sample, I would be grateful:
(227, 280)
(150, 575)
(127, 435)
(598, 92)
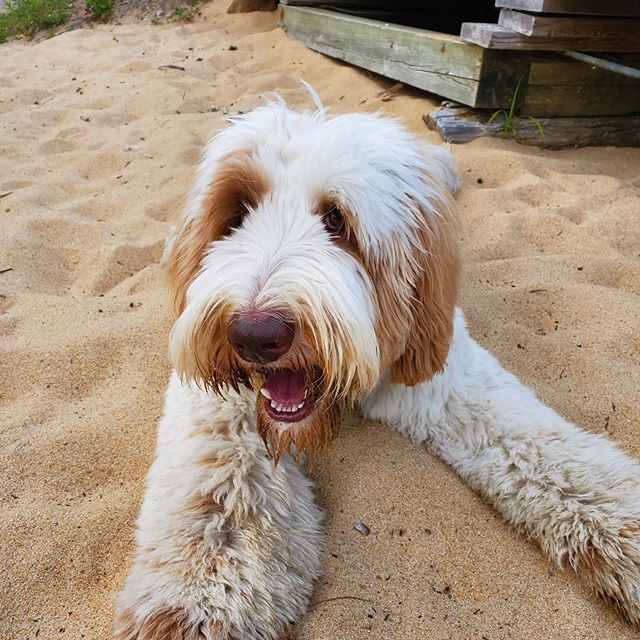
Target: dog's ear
(237, 184)
(437, 260)
(185, 251)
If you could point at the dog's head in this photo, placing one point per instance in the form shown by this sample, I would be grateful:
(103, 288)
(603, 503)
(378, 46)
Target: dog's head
(317, 256)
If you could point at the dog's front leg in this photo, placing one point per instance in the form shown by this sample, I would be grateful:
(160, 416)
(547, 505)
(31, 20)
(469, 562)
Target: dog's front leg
(576, 494)
(228, 545)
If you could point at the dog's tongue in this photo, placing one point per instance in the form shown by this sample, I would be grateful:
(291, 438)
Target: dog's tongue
(286, 387)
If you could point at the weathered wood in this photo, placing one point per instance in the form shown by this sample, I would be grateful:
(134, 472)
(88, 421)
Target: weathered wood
(436, 62)
(557, 69)
(559, 86)
(458, 125)
(629, 8)
(464, 125)
(599, 62)
(493, 36)
(580, 100)
(569, 27)
(549, 84)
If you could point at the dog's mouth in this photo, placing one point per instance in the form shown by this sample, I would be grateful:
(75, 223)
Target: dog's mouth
(288, 395)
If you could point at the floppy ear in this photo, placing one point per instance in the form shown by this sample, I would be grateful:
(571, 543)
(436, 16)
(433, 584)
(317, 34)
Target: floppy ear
(236, 185)
(437, 258)
(185, 252)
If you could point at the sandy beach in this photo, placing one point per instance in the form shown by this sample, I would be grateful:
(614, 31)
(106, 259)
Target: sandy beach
(98, 146)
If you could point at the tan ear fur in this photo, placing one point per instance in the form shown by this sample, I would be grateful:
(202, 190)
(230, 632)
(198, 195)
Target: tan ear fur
(238, 184)
(437, 257)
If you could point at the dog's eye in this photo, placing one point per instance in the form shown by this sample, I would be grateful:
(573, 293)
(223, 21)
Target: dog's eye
(333, 221)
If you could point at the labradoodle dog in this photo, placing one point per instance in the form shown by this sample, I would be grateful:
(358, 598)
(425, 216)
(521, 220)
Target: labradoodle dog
(316, 269)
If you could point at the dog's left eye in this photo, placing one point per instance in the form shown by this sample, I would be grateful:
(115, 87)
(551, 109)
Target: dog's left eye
(333, 221)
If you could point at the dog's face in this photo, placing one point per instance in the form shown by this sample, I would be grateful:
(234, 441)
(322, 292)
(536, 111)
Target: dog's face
(317, 256)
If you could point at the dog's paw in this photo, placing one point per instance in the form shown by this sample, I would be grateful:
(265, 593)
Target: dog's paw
(610, 563)
(169, 623)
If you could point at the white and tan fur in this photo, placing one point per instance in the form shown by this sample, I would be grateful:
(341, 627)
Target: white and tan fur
(228, 542)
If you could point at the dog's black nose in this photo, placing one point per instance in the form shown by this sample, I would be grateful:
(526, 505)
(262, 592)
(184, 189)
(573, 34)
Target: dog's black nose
(260, 338)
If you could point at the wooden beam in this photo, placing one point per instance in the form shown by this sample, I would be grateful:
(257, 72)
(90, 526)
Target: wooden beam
(493, 36)
(576, 100)
(464, 125)
(550, 85)
(556, 69)
(436, 62)
(630, 8)
(569, 26)
(559, 86)
(599, 62)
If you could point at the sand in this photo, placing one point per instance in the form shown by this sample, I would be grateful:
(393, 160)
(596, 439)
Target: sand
(97, 149)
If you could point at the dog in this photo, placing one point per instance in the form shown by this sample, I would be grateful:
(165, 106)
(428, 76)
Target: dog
(316, 269)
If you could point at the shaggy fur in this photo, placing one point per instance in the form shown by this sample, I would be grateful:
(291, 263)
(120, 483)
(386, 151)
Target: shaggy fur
(343, 227)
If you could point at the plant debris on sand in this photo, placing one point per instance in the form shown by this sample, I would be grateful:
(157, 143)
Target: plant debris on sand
(45, 18)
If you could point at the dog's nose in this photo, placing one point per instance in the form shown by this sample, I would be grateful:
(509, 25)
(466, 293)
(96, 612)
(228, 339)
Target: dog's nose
(260, 338)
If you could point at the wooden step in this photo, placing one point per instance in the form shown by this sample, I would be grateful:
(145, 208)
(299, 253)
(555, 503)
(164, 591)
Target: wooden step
(630, 8)
(546, 26)
(493, 36)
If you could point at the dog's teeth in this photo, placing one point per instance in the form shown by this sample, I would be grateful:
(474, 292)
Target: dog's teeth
(265, 392)
(283, 408)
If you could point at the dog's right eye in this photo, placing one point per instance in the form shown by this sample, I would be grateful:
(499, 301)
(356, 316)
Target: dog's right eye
(333, 221)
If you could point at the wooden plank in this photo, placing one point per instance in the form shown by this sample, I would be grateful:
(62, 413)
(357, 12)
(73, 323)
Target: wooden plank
(493, 36)
(436, 62)
(464, 125)
(558, 70)
(603, 62)
(630, 8)
(457, 125)
(581, 100)
(500, 76)
(569, 27)
(559, 86)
